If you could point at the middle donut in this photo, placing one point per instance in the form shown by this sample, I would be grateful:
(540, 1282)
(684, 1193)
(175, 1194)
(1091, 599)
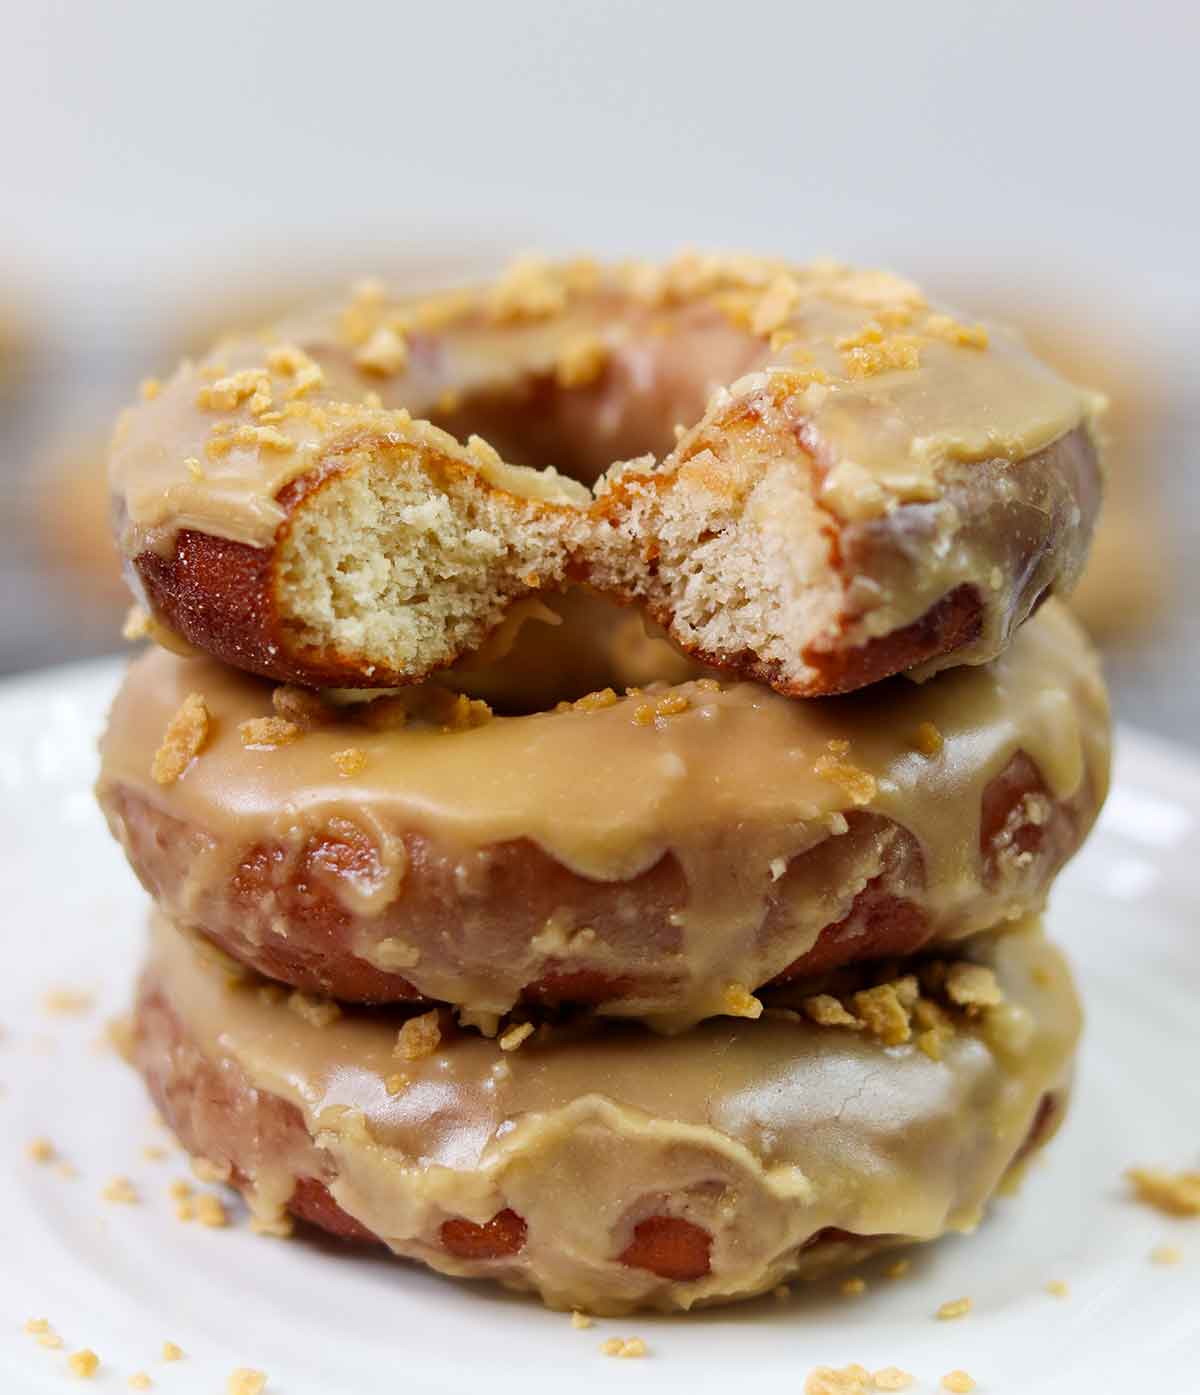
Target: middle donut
(661, 854)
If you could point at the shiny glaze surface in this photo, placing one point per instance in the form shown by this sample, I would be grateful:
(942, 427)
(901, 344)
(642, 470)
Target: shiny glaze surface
(732, 807)
(763, 1133)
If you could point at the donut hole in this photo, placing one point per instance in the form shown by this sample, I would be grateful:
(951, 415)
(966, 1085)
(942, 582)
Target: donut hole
(559, 648)
(651, 373)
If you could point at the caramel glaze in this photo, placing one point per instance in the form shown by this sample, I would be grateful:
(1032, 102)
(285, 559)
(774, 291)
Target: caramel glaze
(600, 1165)
(892, 433)
(645, 864)
(969, 467)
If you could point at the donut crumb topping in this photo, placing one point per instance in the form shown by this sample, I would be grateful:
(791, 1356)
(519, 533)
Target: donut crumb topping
(928, 739)
(581, 361)
(859, 785)
(211, 1212)
(467, 713)
(317, 1012)
(183, 740)
(419, 1037)
(350, 761)
(122, 1190)
(300, 706)
(528, 289)
(895, 1006)
(624, 1347)
(846, 1380)
(267, 733)
(136, 625)
(591, 702)
(827, 1011)
(246, 1381)
(871, 352)
(1175, 1193)
(738, 1001)
(514, 1036)
(955, 332)
(209, 1170)
(1166, 1255)
(671, 705)
(883, 1013)
(972, 986)
(955, 1308)
(958, 1382)
(776, 305)
(891, 1378)
(84, 1363)
(385, 353)
(67, 1002)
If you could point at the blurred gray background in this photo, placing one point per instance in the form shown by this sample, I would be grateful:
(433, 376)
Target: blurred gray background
(173, 171)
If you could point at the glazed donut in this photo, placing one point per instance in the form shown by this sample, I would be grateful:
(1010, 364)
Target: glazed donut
(858, 485)
(661, 855)
(604, 1167)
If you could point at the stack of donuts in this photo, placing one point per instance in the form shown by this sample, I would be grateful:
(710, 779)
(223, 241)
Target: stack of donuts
(607, 744)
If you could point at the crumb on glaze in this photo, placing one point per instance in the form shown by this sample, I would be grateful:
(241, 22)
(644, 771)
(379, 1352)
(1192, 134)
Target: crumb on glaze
(419, 1037)
(266, 733)
(351, 761)
(512, 1038)
(184, 738)
(317, 1012)
(928, 739)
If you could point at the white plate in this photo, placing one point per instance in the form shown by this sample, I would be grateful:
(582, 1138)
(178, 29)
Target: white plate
(121, 1279)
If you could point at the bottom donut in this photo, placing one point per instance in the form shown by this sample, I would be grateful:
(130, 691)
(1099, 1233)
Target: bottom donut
(603, 1166)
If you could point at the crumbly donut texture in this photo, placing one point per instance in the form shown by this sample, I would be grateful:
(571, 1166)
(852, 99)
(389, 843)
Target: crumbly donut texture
(602, 1166)
(859, 484)
(659, 854)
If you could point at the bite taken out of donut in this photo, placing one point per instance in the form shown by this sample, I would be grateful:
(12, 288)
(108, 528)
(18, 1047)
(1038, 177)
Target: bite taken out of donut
(807, 475)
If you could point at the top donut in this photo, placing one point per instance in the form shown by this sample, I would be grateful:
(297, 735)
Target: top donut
(808, 475)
